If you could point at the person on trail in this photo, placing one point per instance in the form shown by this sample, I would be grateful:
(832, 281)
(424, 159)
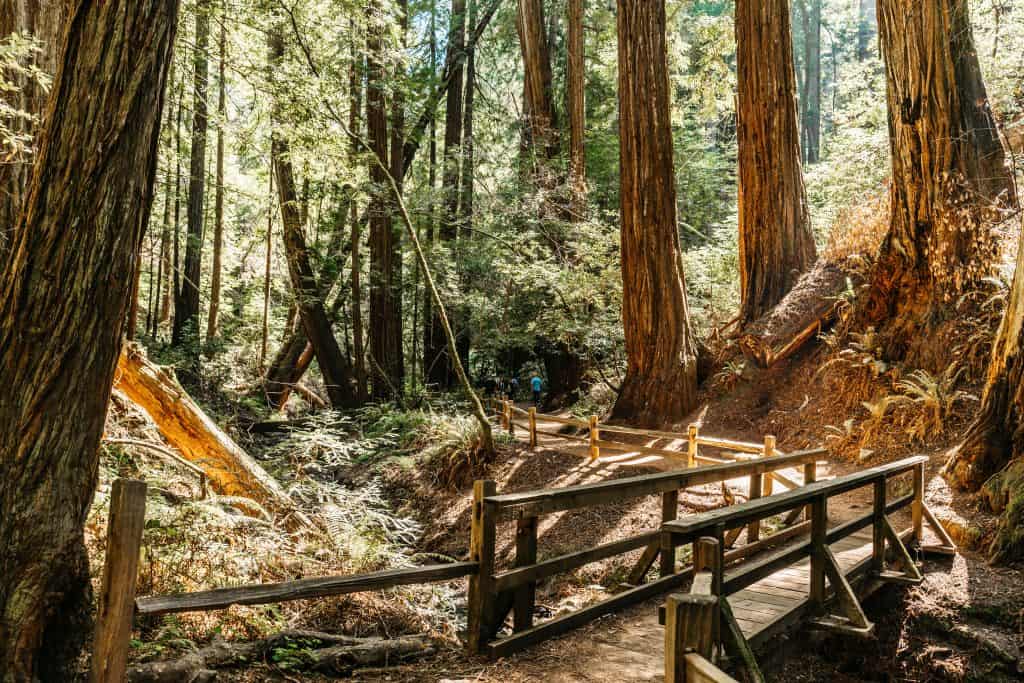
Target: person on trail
(535, 384)
(513, 388)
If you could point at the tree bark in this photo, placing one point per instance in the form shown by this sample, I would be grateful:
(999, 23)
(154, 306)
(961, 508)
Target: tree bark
(775, 244)
(576, 77)
(45, 21)
(355, 105)
(218, 202)
(335, 367)
(83, 219)
(810, 103)
(661, 376)
(186, 308)
(438, 365)
(430, 347)
(949, 176)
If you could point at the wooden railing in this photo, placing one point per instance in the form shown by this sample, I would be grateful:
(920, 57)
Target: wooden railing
(702, 622)
(493, 593)
(527, 419)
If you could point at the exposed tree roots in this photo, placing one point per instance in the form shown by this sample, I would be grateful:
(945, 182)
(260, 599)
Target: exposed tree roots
(296, 650)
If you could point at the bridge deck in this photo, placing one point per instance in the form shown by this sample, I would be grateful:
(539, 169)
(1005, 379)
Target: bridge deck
(771, 604)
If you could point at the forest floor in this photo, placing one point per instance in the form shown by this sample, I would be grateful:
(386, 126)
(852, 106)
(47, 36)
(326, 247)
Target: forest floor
(963, 623)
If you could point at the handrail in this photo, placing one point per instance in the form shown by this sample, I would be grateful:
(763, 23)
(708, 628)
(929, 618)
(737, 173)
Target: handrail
(547, 501)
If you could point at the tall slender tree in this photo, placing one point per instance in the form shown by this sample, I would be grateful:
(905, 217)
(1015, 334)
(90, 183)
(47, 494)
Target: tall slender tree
(83, 218)
(576, 97)
(810, 102)
(661, 375)
(948, 175)
(355, 93)
(775, 243)
(218, 202)
(186, 307)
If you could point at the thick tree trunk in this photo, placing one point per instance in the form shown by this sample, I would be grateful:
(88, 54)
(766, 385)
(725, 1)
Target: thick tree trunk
(438, 366)
(776, 244)
(576, 77)
(948, 175)
(45, 21)
(59, 342)
(218, 202)
(334, 365)
(533, 42)
(661, 376)
(186, 307)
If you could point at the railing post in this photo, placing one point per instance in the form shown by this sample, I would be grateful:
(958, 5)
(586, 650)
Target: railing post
(689, 621)
(508, 418)
(526, 555)
(819, 529)
(533, 427)
(691, 451)
(707, 557)
(810, 476)
(754, 528)
(878, 526)
(917, 509)
(595, 435)
(481, 599)
(769, 451)
(669, 512)
(116, 605)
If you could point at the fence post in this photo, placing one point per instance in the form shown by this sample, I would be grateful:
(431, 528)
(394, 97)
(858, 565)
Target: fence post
(878, 526)
(689, 622)
(769, 451)
(508, 418)
(754, 528)
(116, 605)
(595, 435)
(819, 529)
(707, 557)
(533, 427)
(526, 555)
(669, 511)
(481, 585)
(917, 510)
(810, 476)
(691, 451)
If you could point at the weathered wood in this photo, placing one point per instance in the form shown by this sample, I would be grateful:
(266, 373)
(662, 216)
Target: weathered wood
(688, 628)
(878, 529)
(526, 555)
(533, 503)
(481, 551)
(845, 596)
(940, 531)
(560, 625)
(738, 643)
(906, 562)
(769, 451)
(754, 490)
(669, 511)
(595, 438)
(263, 593)
(700, 670)
(692, 445)
(115, 606)
(646, 561)
(533, 427)
(917, 510)
(819, 529)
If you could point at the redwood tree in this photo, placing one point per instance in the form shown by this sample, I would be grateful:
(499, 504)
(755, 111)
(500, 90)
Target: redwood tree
(661, 376)
(775, 244)
(576, 99)
(186, 305)
(218, 202)
(78, 234)
(948, 175)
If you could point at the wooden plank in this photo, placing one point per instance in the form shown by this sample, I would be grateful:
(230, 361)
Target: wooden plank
(917, 511)
(700, 670)
(567, 622)
(688, 624)
(767, 542)
(739, 645)
(533, 503)
(567, 437)
(481, 596)
(120, 571)
(762, 568)
(526, 555)
(302, 589)
(669, 511)
(937, 527)
(643, 565)
(563, 563)
(543, 417)
(877, 522)
(819, 528)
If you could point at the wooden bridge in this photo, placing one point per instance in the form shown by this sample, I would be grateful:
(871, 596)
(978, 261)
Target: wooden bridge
(739, 598)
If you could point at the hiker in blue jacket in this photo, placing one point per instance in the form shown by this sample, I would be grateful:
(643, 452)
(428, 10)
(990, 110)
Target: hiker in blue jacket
(535, 384)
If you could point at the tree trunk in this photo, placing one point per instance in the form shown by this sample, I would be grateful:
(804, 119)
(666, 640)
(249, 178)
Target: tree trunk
(776, 244)
(576, 77)
(335, 367)
(430, 350)
(867, 28)
(107, 94)
(268, 252)
(355, 88)
(218, 202)
(186, 308)
(948, 176)
(176, 267)
(468, 158)
(438, 365)
(811, 97)
(539, 103)
(45, 21)
(661, 376)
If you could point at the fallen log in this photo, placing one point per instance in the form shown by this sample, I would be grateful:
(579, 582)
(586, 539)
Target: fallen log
(808, 308)
(191, 432)
(307, 650)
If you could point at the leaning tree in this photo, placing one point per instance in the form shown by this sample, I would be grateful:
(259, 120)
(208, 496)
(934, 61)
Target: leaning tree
(63, 299)
(661, 376)
(948, 175)
(776, 244)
